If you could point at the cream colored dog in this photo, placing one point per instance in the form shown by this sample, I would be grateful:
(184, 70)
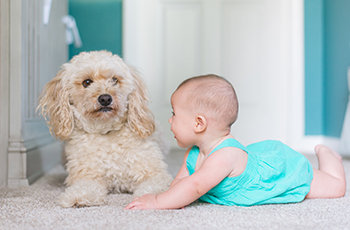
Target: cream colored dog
(98, 105)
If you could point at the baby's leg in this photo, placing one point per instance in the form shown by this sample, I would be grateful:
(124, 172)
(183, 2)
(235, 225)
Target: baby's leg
(329, 179)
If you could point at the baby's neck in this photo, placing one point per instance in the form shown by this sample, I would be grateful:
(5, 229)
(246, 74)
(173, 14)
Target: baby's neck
(208, 144)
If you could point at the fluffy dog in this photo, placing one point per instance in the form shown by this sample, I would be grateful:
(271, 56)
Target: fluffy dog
(97, 104)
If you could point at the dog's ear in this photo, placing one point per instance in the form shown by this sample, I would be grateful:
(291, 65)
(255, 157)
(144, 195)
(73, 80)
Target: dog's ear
(55, 108)
(140, 117)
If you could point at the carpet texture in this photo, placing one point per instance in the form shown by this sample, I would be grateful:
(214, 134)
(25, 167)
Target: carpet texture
(35, 207)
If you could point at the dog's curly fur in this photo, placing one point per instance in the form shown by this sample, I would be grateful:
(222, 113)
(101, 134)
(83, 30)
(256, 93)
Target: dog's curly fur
(97, 104)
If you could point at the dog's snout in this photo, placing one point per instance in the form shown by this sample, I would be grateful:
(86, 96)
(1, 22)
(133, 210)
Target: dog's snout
(105, 99)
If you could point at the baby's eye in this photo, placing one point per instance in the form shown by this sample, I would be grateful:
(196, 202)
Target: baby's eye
(87, 82)
(115, 80)
(172, 112)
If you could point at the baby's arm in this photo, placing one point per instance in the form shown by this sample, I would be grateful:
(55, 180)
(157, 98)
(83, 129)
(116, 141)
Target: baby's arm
(183, 172)
(190, 188)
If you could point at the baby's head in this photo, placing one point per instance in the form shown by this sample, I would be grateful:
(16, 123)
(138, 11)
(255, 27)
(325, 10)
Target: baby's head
(211, 96)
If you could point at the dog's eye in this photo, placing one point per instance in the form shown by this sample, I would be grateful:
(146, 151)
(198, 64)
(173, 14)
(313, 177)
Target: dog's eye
(87, 82)
(115, 80)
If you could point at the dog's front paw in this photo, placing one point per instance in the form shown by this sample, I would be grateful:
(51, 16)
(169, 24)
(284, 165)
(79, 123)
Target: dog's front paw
(83, 193)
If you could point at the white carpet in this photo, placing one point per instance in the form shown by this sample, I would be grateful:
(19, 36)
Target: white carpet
(35, 207)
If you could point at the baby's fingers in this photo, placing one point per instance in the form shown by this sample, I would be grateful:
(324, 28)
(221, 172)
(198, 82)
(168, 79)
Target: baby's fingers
(132, 205)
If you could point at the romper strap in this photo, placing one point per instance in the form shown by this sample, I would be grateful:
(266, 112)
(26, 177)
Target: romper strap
(192, 159)
(230, 142)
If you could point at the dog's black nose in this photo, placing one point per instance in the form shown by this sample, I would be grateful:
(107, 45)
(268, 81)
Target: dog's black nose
(105, 99)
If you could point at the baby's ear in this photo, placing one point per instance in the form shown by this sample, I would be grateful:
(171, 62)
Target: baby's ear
(200, 124)
(55, 108)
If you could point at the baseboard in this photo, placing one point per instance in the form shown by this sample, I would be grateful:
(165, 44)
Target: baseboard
(42, 159)
(307, 144)
(16, 183)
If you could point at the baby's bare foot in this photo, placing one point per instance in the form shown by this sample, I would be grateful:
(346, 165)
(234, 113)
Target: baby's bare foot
(319, 148)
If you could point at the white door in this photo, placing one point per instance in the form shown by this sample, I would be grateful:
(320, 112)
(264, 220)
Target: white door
(241, 40)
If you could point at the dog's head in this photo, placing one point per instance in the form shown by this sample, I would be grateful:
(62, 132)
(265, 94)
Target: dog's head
(98, 92)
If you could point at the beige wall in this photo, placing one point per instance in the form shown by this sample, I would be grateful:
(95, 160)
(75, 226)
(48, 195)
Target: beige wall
(4, 64)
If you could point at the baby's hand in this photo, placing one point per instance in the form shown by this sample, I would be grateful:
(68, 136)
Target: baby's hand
(147, 201)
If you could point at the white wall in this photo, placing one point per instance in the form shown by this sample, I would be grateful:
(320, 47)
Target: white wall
(144, 43)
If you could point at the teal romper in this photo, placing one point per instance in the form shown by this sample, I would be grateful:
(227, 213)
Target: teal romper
(275, 173)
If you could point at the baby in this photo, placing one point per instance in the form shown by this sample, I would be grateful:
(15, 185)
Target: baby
(219, 170)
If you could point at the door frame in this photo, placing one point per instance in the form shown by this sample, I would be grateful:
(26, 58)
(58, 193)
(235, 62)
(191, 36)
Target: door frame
(295, 72)
(26, 148)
